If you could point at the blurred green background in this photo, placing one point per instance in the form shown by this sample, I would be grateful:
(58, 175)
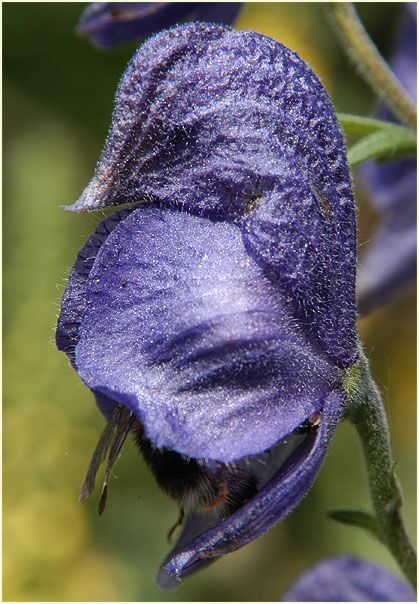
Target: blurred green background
(58, 96)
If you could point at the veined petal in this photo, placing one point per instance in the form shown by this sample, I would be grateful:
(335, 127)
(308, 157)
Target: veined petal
(309, 245)
(348, 579)
(185, 329)
(276, 500)
(206, 118)
(233, 125)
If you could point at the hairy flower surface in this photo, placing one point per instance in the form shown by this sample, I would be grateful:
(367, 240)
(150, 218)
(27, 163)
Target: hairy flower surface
(348, 579)
(108, 23)
(389, 262)
(220, 311)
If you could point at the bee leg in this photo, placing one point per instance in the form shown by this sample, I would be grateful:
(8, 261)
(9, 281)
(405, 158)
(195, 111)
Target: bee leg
(178, 522)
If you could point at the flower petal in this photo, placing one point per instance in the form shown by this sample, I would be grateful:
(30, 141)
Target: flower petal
(348, 579)
(184, 328)
(108, 23)
(311, 251)
(73, 303)
(207, 117)
(228, 124)
(275, 501)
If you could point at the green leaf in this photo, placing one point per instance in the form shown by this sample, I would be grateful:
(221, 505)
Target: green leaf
(384, 144)
(357, 518)
(360, 125)
(381, 140)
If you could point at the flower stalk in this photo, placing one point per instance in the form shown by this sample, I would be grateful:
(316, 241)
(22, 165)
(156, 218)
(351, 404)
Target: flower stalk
(364, 54)
(369, 417)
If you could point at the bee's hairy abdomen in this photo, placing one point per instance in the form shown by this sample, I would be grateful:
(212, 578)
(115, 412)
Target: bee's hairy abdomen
(181, 478)
(191, 483)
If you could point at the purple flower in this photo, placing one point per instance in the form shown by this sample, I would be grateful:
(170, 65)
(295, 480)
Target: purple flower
(220, 311)
(389, 262)
(108, 23)
(347, 579)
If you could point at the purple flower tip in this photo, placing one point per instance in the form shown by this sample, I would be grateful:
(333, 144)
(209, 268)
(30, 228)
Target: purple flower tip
(109, 23)
(220, 312)
(347, 579)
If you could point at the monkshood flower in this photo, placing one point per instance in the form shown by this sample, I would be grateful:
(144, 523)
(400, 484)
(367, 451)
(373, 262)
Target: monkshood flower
(348, 579)
(389, 262)
(108, 23)
(216, 319)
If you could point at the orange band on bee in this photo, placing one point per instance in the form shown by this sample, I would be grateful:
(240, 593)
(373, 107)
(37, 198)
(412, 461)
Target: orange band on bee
(221, 497)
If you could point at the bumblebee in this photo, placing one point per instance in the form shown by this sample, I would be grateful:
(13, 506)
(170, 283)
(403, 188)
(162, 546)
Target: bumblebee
(197, 485)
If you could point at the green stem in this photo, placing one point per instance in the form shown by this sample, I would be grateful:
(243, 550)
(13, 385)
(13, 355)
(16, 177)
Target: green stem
(362, 51)
(368, 414)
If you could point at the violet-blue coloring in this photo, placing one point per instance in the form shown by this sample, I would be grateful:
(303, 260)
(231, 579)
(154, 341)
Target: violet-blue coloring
(348, 579)
(388, 264)
(219, 310)
(109, 23)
